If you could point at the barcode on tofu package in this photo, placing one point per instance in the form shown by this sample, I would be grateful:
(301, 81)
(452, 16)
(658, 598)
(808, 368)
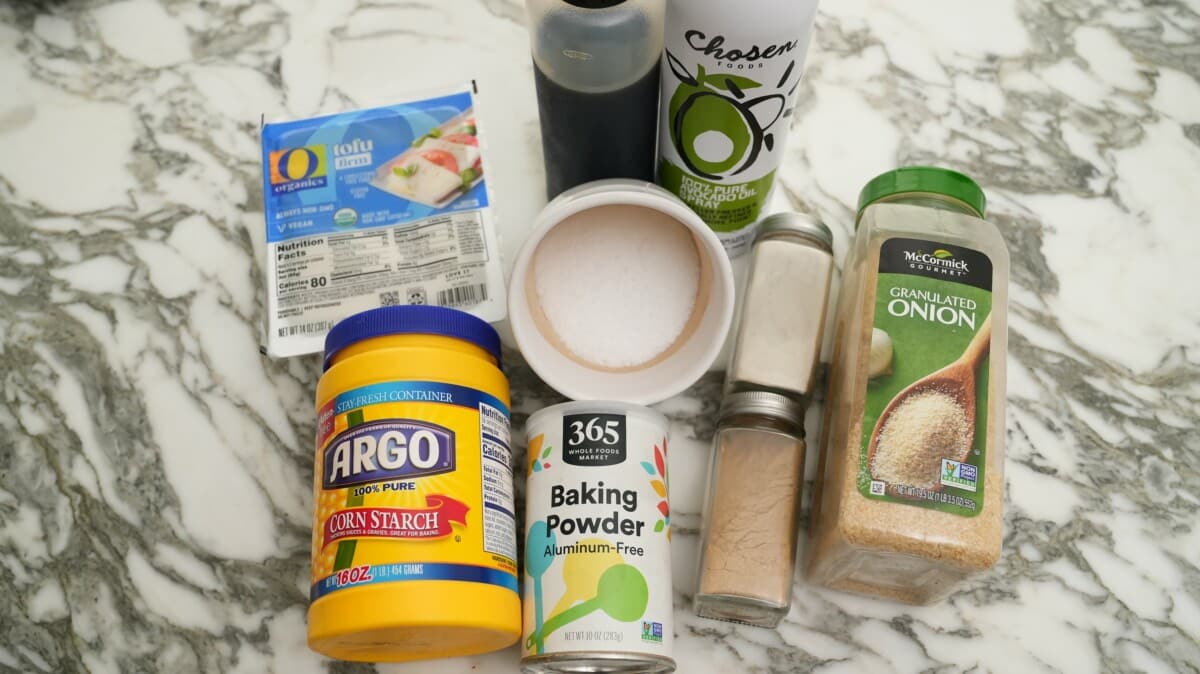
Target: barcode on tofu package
(377, 207)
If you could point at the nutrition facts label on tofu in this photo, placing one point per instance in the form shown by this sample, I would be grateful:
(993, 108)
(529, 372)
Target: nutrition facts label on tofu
(441, 260)
(499, 518)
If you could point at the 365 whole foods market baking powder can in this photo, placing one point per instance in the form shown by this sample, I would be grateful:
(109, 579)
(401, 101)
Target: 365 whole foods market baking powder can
(597, 541)
(414, 538)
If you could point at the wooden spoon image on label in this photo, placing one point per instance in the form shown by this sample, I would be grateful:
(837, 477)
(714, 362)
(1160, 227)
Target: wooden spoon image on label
(956, 380)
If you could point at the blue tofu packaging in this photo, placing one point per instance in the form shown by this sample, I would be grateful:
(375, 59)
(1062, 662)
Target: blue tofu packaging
(376, 207)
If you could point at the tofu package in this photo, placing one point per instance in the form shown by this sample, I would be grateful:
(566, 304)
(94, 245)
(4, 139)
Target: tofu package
(376, 207)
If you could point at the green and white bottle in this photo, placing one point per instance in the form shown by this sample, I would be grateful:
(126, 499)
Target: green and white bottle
(729, 80)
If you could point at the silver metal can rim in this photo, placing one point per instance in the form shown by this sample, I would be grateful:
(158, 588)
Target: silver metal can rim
(597, 662)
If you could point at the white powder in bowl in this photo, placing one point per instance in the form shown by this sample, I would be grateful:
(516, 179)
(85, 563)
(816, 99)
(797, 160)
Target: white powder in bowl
(617, 283)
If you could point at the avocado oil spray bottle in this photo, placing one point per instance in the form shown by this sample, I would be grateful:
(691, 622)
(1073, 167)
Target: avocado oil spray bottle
(729, 79)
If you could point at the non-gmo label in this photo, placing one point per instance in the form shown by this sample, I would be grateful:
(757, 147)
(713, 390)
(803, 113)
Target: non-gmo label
(594, 439)
(652, 631)
(958, 474)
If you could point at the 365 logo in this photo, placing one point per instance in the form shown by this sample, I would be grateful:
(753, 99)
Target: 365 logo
(297, 168)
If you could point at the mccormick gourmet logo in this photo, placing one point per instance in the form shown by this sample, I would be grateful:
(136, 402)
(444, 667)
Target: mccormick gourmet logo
(381, 451)
(297, 168)
(940, 260)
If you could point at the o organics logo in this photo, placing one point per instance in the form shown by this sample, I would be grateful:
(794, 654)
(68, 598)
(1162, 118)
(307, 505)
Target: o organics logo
(717, 128)
(297, 168)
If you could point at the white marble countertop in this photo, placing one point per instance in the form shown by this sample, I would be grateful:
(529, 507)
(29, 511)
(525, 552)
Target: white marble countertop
(155, 469)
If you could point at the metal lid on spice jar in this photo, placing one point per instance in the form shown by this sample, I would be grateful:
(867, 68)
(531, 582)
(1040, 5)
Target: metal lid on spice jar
(929, 180)
(763, 403)
(797, 224)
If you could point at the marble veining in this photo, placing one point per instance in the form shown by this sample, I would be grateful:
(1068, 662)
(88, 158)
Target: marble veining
(155, 468)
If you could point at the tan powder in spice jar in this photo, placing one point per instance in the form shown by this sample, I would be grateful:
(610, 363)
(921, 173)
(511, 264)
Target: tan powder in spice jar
(752, 520)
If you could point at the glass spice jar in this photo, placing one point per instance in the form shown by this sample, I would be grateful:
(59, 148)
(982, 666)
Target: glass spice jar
(782, 322)
(748, 534)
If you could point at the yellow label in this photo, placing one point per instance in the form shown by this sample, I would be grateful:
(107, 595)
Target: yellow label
(412, 482)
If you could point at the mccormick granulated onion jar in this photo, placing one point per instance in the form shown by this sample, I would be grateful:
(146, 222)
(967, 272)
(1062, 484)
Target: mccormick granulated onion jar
(909, 494)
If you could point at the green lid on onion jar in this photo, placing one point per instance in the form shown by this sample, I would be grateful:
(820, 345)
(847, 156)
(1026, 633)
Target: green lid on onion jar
(930, 181)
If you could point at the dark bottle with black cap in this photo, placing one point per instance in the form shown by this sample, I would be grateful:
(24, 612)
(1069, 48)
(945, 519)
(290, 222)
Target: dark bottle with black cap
(595, 64)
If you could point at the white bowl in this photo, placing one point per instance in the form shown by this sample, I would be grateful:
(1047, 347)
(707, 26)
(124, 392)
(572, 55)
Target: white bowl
(665, 375)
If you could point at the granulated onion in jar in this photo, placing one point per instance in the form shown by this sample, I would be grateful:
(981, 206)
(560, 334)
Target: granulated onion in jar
(909, 492)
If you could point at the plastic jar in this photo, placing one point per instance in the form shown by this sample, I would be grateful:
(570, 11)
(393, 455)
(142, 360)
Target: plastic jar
(909, 496)
(414, 537)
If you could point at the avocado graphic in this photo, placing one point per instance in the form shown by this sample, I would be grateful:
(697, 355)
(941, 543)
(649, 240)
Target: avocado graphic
(716, 129)
(696, 112)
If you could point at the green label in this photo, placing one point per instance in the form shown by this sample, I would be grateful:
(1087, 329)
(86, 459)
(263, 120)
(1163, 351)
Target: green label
(726, 207)
(924, 434)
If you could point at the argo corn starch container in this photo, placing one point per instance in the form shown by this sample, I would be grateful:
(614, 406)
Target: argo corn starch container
(414, 538)
(597, 541)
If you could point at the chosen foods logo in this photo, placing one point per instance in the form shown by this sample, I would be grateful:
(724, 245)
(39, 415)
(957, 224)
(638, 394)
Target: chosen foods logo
(715, 47)
(716, 124)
